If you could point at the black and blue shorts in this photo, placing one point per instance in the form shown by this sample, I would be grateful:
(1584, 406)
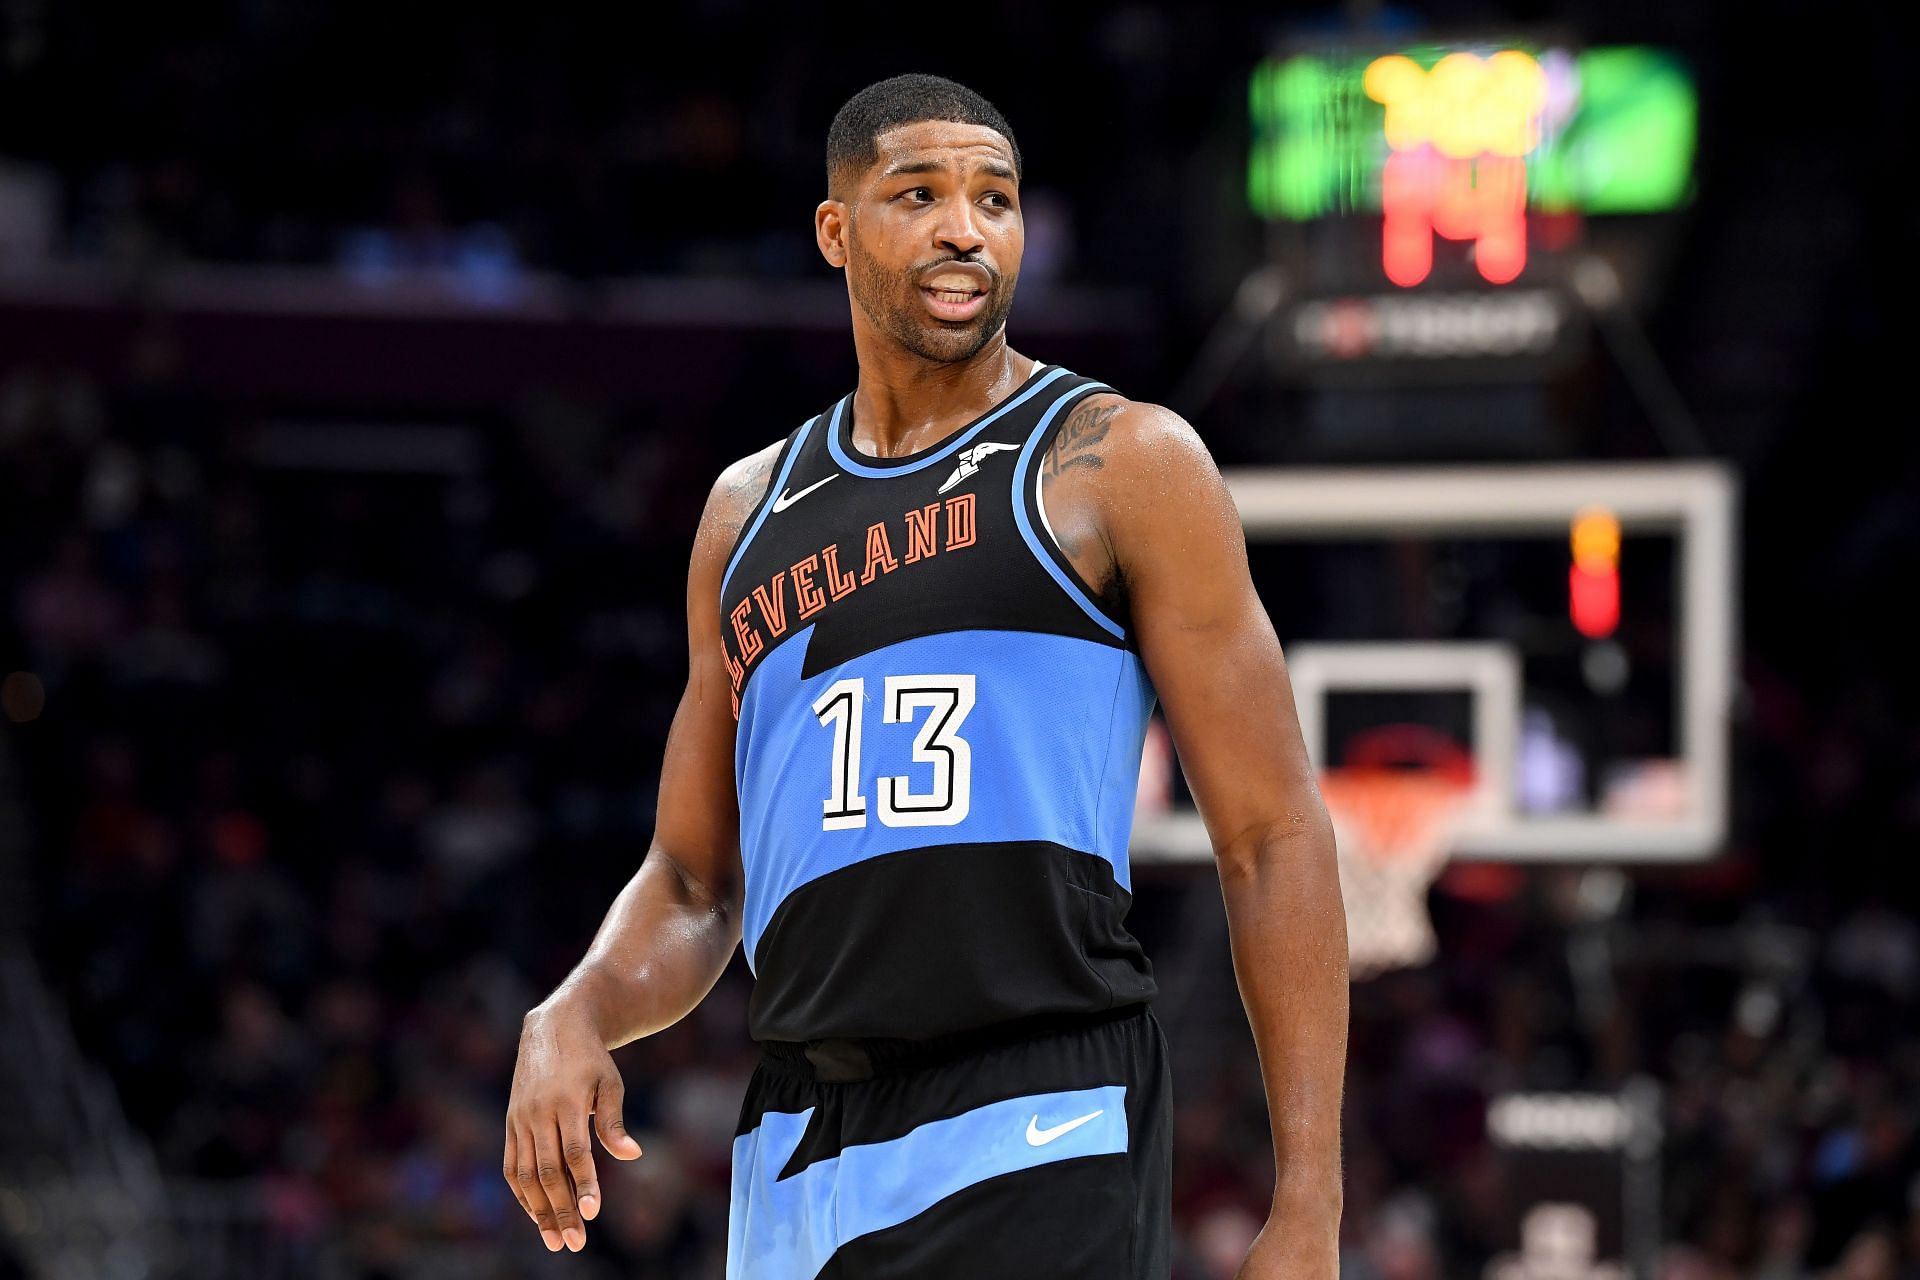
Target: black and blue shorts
(1032, 1150)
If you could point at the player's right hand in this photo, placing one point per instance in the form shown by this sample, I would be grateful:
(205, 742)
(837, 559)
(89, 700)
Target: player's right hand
(564, 1075)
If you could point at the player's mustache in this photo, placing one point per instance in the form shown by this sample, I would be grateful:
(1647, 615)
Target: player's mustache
(920, 271)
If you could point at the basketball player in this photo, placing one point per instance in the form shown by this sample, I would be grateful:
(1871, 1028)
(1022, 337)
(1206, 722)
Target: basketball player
(926, 631)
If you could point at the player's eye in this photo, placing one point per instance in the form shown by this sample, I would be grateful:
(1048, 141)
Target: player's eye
(999, 200)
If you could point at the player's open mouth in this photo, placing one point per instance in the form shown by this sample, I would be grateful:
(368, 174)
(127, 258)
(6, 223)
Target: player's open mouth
(956, 289)
(955, 304)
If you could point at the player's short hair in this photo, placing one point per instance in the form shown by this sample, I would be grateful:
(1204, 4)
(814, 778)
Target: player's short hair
(908, 99)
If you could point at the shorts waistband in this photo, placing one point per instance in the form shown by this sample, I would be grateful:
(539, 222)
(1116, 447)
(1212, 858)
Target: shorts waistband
(846, 1060)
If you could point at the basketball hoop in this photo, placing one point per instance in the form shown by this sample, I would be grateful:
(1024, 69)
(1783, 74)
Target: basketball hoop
(1396, 809)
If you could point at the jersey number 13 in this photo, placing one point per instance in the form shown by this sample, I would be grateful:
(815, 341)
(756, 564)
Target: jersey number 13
(945, 700)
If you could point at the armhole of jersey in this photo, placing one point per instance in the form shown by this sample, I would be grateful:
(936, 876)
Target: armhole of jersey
(1030, 512)
(783, 465)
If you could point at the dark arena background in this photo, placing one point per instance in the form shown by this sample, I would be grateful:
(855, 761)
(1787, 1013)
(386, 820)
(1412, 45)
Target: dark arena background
(363, 369)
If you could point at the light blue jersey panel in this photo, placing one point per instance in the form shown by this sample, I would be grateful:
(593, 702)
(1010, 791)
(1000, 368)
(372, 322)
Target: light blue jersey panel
(1049, 750)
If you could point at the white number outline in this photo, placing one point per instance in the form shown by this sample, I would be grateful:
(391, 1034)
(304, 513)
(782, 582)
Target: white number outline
(947, 700)
(839, 708)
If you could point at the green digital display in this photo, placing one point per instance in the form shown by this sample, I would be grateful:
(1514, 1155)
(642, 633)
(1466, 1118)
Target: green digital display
(1599, 131)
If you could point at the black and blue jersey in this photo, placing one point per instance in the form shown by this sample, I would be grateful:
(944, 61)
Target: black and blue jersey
(939, 738)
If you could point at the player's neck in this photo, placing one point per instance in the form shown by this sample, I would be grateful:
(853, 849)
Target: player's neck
(905, 403)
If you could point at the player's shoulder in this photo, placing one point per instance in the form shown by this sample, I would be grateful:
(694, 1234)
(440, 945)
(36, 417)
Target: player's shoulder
(1139, 422)
(739, 489)
(744, 481)
(1107, 432)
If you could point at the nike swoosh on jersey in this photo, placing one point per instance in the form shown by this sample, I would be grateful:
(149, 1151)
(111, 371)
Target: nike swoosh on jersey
(786, 500)
(1038, 1137)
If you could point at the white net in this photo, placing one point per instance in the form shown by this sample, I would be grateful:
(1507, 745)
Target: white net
(1394, 830)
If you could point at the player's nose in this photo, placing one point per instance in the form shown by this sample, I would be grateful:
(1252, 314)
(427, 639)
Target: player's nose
(956, 230)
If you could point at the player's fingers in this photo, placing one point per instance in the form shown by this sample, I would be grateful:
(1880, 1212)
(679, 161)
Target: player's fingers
(551, 1169)
(532, 1194)
(510, 1168)
(576, 1148)
(609, 1101)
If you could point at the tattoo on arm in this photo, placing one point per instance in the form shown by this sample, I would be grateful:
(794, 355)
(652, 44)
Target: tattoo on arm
(1079, 443)
(1079, 439)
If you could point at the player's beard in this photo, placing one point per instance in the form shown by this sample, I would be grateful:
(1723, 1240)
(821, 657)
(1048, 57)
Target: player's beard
(892, 303)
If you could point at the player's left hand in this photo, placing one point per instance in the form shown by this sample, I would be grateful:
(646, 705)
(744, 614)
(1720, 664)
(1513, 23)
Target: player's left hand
(1281, 1252)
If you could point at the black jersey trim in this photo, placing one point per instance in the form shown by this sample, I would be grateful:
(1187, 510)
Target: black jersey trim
(840, 432)
(788, 452)
(1030, 515)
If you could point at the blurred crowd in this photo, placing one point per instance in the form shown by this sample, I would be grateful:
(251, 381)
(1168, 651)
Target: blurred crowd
(333, 773)
(487, 140)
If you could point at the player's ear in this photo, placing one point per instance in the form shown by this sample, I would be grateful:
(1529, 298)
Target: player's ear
(830, 231)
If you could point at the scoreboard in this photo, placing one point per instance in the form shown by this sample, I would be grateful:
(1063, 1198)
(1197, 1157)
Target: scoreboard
(1490, 145)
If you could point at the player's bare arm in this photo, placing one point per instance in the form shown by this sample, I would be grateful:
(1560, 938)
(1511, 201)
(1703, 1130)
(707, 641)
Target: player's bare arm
(666, 938)
(1139, 507)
